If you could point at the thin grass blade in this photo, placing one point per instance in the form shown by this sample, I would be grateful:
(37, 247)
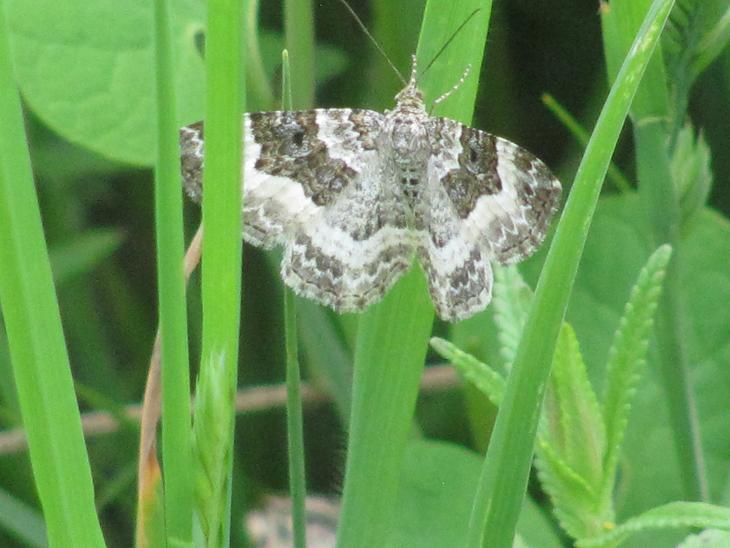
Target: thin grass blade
(35, 336)
(294, 419)
(393, 335)
(221, 279)
(176, 456)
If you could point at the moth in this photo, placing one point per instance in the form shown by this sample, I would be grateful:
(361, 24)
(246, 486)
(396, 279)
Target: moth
(354, 196)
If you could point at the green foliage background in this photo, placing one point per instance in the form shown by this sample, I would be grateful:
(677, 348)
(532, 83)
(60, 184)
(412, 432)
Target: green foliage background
(85, 75)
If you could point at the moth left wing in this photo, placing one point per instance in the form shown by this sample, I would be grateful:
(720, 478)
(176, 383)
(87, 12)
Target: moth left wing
(502, 193)
(456, 261)
(485, 199)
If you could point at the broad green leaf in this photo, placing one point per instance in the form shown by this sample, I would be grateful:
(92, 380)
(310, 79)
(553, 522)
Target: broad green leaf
(673, 515)
(435, 499)
(86, 69)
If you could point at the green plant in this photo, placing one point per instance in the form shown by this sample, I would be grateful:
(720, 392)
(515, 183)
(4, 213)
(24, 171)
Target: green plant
(580, 438)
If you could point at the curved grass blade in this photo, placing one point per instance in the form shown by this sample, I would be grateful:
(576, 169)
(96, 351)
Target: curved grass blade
(506, 467)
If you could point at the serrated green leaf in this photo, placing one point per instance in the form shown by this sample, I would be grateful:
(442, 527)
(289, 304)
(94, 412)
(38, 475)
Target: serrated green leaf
(486, 379)
(573, 442)
(672, 515)
(572, 497)
(627, 356)
(512, 298)
(578, 433)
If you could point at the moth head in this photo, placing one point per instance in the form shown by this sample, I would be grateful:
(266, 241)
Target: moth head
(410, 99)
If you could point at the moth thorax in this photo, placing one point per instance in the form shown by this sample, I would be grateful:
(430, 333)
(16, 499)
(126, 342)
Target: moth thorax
(411, 184)
(409, 138)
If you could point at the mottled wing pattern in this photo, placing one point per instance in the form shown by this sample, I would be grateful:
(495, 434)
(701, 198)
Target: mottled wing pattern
(456, 262)
(488, 200)
(354, 249)
(499, 190)
(311, 184)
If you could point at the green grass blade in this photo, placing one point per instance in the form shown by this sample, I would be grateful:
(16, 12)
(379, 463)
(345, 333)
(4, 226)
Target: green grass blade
(221, 278)
(260, 95)
(176, 456)
(388, 363)
(506, 467)
(511, 301)
(294, 419)
(295, 428)
(299, 31)
(37, 347)
(393, 335)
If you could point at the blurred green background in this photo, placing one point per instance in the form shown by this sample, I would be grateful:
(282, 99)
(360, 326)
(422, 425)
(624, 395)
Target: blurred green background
(90, 128)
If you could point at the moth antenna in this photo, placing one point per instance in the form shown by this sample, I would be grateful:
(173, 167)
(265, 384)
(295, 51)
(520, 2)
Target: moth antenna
(414, 71)
(456, 86)
(374, 41)
(446, 44)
